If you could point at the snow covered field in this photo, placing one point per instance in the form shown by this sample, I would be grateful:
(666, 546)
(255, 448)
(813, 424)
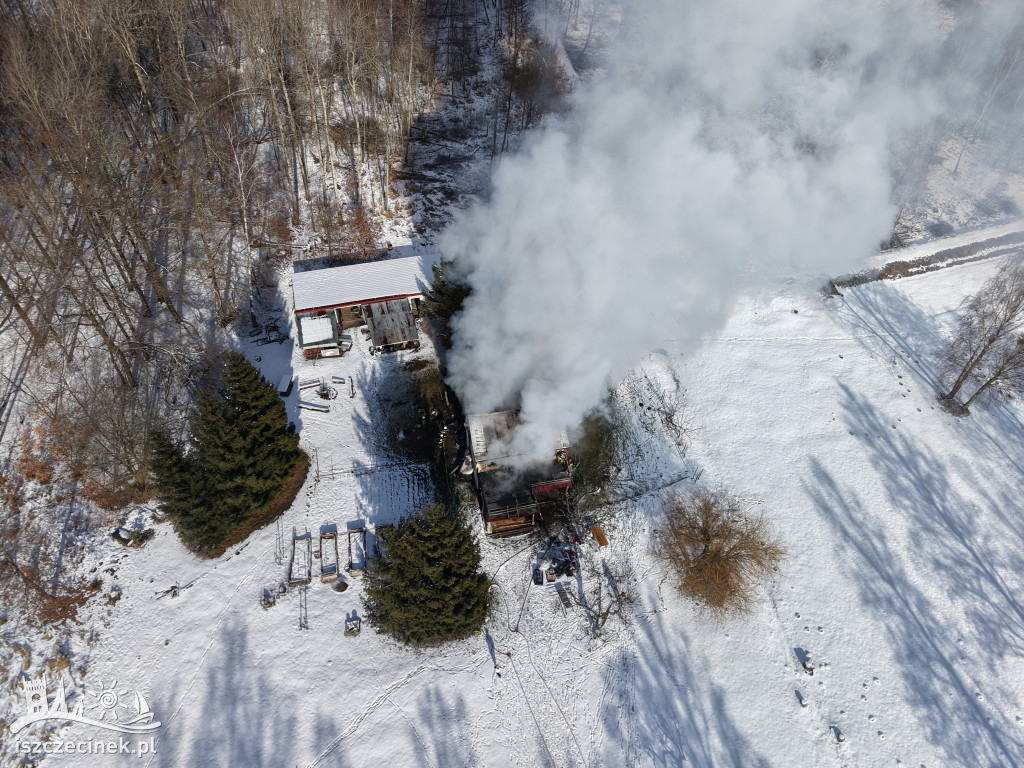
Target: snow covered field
(901, 582)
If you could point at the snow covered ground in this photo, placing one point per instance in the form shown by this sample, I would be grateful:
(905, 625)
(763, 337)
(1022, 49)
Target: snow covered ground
(902, 523)
(902, 578)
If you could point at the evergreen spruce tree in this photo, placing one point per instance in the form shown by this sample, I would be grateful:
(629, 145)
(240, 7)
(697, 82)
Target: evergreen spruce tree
(221, 504)
(267, 443)
(445, 298)
(240, 453)
(176, 478)
(425, 585)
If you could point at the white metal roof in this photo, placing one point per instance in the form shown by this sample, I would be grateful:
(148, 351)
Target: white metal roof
(316, 330)
(362, 283)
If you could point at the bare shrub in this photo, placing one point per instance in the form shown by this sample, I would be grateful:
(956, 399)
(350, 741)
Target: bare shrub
(718, 548)
(279, 230)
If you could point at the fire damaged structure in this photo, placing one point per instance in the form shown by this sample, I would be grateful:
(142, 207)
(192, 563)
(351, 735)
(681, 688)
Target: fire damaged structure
(512, 500)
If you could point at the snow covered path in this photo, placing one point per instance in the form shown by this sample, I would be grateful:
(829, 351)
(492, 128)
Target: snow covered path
(902, 581)
(931, 246)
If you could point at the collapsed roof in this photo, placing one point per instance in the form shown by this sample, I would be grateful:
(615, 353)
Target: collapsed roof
(490, 433)
(390, 322)
(511, 497)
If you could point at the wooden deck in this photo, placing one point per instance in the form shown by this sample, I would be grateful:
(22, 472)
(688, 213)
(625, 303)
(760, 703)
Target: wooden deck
(510, 526)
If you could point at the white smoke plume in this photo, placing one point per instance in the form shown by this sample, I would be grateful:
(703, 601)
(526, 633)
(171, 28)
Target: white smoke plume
(723, 141)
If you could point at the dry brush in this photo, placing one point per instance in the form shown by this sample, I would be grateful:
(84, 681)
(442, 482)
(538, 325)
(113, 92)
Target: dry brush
(719, 549)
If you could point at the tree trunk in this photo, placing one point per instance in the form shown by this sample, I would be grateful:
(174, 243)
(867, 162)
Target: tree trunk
(38, 337)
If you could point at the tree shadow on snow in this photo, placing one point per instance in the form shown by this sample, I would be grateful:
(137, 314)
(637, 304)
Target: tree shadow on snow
(660, 712)
(389, 394)
(890, 326)
(391, 484)
(446, 733)
(233, 715)
(968, 560)
(994, 427)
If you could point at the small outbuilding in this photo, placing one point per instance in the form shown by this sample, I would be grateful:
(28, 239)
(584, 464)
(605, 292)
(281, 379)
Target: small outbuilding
(320, 333)
(383, 295)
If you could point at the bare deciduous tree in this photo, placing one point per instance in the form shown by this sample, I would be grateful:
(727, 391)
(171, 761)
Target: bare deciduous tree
(608, 595)
(147, 147)
(987, 348)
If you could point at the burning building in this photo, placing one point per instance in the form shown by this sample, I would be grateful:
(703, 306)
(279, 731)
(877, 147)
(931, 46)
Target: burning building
(512, 499)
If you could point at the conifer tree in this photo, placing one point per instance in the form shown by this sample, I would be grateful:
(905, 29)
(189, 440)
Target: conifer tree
(240, 452)
(424, 586)
(266, 442)
(445, 298)
(175, 475)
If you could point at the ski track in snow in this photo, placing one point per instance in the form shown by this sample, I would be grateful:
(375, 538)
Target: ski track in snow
(368, 710)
